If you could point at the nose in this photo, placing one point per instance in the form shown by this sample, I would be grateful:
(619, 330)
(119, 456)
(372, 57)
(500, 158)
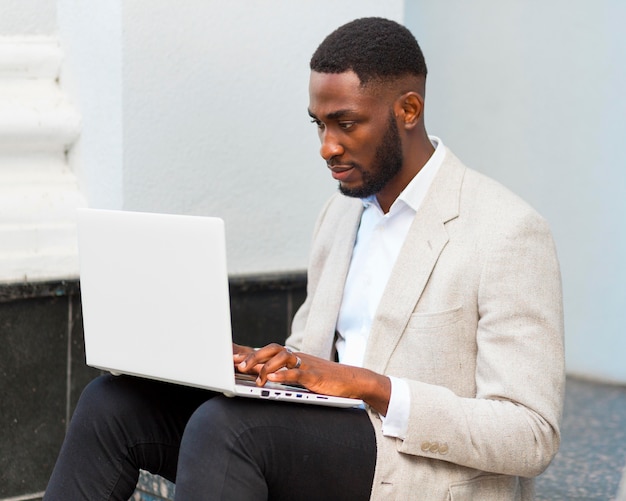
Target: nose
(330, 146)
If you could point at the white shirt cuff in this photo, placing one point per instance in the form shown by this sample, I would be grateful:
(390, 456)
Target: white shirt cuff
(396, 422)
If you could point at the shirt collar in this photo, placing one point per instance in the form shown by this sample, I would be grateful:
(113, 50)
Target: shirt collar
(415, 192)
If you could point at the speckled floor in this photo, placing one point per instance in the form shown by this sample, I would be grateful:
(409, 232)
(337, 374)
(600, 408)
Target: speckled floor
(588, 466)
(593, 447)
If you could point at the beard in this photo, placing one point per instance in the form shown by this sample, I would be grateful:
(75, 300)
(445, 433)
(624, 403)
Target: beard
(387, 163)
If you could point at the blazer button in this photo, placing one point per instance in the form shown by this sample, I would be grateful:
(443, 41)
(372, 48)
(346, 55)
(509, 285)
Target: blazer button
(443, 449)
(434, 447)
(425, 446)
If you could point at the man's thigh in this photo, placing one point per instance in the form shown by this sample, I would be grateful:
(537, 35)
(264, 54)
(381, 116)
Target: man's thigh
(122, 424)
(254, 449)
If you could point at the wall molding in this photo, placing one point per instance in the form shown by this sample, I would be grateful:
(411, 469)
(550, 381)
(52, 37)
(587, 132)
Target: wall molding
(30, 57)
(38, 191)
(35, 113)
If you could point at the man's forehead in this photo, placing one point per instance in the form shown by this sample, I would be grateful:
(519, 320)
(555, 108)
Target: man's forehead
(348, 82)
(334, 81)
(332, 91)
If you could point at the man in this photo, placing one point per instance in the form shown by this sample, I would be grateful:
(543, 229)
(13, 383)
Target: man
(437, 290)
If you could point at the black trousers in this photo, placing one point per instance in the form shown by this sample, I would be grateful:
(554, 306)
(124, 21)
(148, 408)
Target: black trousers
(212, 446)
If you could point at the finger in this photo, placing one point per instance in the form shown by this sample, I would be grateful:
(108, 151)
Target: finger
(237, 348)
(260, 356)
(287, 376)
(280, 361)
(298, 362)
(240, 352)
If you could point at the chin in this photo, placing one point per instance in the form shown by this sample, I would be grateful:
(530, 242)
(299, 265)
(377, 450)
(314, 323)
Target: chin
(353, 191)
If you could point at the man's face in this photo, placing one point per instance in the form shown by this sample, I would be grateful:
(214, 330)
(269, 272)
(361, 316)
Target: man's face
(360, 139)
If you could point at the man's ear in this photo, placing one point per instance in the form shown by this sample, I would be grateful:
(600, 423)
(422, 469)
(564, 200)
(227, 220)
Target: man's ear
(410, 109)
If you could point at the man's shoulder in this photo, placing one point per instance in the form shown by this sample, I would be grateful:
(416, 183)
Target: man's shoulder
(490, 194)
(481, 201)
(480, 189)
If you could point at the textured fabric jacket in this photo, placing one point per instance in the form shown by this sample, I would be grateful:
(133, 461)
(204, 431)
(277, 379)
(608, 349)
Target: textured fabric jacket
(472, 319)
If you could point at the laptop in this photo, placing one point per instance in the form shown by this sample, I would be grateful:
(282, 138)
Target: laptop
(155, 300)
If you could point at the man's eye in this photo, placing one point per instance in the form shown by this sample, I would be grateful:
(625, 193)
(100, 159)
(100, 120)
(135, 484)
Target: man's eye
(346, 125)
(319, 124)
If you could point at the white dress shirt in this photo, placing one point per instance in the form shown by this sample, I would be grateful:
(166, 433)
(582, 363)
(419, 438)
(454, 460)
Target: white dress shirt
(378, 243)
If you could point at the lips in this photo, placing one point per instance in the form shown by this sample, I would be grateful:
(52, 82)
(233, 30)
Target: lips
(341, 172)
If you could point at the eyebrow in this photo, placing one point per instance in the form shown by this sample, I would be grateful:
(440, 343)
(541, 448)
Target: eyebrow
(334, 115)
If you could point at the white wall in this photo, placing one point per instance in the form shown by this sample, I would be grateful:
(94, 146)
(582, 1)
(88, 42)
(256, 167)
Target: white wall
(91, 39)
(199, 107)
(532, 93)
(27, 17)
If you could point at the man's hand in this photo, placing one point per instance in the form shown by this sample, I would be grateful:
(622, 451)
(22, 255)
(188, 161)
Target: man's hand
(277, 364)
(240, 353)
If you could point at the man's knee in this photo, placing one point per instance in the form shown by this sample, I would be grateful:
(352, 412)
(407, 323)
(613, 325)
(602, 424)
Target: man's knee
(222, 426)
(106, 394)
(113, 401)
(214, 419)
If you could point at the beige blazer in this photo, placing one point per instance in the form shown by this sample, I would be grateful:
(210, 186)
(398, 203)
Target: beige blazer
(472, 319)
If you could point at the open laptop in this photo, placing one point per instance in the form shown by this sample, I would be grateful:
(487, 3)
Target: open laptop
(155, 301)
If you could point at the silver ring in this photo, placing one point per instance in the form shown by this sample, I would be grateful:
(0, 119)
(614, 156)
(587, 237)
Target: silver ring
(298, 362)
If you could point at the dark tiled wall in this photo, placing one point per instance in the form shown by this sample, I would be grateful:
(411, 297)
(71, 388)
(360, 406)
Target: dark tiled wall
(42, 369)
(40, 379)
(262, 307)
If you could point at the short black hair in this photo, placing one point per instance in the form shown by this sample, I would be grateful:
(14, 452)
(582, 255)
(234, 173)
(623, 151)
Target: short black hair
(376, 49)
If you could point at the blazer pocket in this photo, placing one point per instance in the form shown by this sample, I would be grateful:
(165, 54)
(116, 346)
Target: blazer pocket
(435, 320)
(486, 487)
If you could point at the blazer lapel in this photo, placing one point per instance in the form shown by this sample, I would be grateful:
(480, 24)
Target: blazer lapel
(425, 241)
(319, 337)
